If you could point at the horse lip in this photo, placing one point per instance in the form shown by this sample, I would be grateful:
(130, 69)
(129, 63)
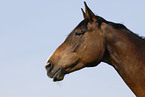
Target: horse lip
(55, 74)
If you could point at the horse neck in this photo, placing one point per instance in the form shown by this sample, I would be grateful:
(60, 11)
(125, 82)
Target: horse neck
(125, 52)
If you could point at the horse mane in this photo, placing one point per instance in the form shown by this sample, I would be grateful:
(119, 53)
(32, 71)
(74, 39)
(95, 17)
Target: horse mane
(118, 26)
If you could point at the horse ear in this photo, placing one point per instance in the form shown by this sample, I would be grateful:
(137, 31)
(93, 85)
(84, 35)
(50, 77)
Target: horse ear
(84, 14)
(89, 14)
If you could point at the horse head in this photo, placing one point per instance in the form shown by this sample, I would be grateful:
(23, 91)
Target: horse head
(84, 47)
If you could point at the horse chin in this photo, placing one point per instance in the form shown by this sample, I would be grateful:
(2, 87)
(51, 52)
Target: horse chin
(58, 76)
(57, 79)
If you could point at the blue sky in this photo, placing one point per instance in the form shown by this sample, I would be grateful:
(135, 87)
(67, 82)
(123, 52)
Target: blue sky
(30, 30)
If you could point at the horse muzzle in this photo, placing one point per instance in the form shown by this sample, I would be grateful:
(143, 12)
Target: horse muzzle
(55, 73)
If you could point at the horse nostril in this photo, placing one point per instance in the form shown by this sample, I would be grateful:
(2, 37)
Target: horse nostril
(48, 66)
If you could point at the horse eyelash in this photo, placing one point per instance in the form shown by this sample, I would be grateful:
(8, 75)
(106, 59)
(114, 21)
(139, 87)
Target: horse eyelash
(78, 34)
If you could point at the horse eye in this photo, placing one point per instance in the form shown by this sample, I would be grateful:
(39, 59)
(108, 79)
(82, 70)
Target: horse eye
(78, 33)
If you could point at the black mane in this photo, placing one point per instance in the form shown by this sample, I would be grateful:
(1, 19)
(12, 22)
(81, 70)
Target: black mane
(115, 25)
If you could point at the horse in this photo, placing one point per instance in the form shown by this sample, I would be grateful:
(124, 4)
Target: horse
(97, 40)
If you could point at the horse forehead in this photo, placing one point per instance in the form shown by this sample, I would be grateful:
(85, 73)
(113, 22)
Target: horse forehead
(83, 23)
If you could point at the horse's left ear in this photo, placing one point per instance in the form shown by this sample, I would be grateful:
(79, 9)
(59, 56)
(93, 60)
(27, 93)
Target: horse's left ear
(84, 14)
(89, 14)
